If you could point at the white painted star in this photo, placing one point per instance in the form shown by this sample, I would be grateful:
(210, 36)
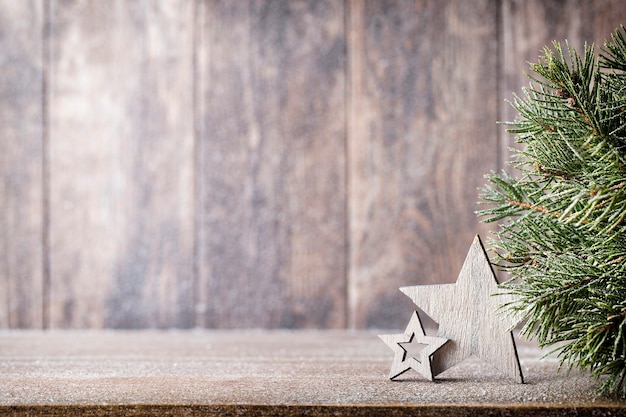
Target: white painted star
(414, 333)
(468, 314)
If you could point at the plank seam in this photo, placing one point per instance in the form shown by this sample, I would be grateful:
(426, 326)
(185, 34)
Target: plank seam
(45, 161)
(346, 161)
(499, 82)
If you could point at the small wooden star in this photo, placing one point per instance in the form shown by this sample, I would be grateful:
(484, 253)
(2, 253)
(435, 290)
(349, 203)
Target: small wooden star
(414, 333)
(468, 314)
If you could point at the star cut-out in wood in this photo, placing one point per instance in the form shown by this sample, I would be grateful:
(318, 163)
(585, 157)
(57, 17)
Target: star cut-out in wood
(468, 314)
(414, 333)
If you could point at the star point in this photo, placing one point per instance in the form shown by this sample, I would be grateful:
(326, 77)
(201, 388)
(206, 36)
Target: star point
(414, 333)
(468, 314)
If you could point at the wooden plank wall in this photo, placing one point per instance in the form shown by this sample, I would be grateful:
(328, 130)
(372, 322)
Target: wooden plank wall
(254, 163)
(417, 152)
(272, 165)
(22, 125)
(121, 154)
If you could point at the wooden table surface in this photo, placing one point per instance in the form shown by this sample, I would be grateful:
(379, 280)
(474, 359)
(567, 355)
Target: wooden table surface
(265, 373)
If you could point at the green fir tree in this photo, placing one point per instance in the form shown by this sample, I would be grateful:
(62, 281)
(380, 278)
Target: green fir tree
(563, 213)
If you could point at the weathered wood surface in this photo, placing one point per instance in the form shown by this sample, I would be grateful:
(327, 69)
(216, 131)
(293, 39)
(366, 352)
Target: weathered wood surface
(21, 164)
(272, 164)
(252, 163)
(307, 372)
(121, 164)
(421, 135)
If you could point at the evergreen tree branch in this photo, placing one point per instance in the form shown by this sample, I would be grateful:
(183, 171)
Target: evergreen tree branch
(562, 235)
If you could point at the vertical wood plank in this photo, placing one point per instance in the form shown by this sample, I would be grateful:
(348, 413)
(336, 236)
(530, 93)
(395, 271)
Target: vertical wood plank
(21, 139)
(272, 168)
(422, 133)
(121, 164)
(528, 26)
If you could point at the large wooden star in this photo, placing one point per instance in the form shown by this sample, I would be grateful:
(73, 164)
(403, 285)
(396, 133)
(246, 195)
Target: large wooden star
(468, 314)
(414, 333)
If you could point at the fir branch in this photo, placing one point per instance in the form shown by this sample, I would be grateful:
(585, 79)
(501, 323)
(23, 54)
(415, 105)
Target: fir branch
(533, 207)
(562, 235)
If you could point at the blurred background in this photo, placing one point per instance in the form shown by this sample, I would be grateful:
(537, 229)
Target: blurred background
(253, 163)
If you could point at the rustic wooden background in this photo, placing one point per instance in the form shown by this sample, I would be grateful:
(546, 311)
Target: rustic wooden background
(266, 164)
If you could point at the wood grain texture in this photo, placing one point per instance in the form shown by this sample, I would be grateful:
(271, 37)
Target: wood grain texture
(253, 163)
(528, 26)
(403, 360)
(21, 156)
(121, 162)
(422, 132)
(272, 165)
(236, 373)
(469, 316)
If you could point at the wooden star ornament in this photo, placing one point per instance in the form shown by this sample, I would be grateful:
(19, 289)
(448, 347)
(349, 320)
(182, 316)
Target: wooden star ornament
(469, 315)
(414, 333)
